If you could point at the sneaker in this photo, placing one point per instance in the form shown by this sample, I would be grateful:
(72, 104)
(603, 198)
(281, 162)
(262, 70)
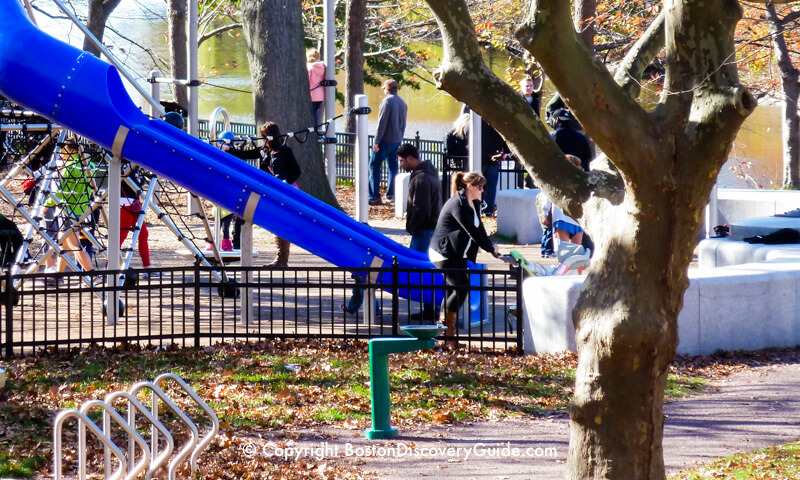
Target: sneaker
(52, 282)
(226, 245)
(389, 199)
(375, 201)
(209, 248)
(344, 309)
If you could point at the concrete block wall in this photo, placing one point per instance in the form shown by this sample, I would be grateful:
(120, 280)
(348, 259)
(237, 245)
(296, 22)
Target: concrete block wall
(735, 205)
(745, 307)
(517, 215)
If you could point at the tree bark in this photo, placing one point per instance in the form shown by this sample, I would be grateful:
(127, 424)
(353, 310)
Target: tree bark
(177, 16)
(273, 32)
(99, 11)
(355, 32)
(791, 90)
(642, 205)
(583, 18)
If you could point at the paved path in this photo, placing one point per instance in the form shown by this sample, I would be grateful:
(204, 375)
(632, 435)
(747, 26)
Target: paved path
(748, 410)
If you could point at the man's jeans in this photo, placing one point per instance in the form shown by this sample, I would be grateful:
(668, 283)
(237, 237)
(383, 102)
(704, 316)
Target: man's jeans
(491, 171)
(421, 240)
(388, 152)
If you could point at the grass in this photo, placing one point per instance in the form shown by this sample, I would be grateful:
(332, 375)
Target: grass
(778, 462)
(281, 386)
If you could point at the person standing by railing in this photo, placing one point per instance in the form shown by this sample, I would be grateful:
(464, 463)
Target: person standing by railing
(391, 128)
(458, 236)
(316, 74)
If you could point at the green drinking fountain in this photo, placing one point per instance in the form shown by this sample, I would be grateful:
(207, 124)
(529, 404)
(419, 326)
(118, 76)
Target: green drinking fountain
(421, 337)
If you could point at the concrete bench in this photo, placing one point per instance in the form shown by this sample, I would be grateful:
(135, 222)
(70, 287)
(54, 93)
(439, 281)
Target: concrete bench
(723, 252)
(517, 215)
(744, 307)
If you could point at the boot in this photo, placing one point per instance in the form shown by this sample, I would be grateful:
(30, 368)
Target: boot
(282, 258)
(428, 314)
(450, 323)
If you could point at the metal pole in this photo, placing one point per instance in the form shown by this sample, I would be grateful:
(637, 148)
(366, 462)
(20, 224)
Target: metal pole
(155, 92)
(114, 192)
(475, 122)
(329, 13)
(192, 58)
(246, 252)
(362, 161)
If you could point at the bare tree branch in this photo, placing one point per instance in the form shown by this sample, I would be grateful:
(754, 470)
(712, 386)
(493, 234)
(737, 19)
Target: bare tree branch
(217, 31)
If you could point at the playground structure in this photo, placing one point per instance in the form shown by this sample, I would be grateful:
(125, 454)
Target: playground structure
(74, 82)
(150, 460)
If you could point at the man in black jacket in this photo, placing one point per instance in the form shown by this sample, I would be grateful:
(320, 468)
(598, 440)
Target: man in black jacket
(424, 197)
(422, 208)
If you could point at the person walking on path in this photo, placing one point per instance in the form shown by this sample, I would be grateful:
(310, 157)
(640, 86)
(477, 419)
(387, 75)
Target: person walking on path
(458, 235)
(391, 128)
(422, 208)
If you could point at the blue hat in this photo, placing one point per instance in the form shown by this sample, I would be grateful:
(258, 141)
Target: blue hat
(226, 137)
(175, 119)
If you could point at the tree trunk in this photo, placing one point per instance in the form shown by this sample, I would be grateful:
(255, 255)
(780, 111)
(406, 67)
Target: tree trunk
(99, 11)
(355, 32)
(273, 33)
(177, 16)
(641, 204)
(789, 85)
(583, 18)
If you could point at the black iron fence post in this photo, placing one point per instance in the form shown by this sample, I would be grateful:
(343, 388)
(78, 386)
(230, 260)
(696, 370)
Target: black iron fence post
(9, 289)
(197, 303)
(520, 316)
(395, 297)
(416, 140)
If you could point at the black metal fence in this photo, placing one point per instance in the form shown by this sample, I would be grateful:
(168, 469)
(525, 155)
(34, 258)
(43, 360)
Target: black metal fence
(511, 173)
(193, 306)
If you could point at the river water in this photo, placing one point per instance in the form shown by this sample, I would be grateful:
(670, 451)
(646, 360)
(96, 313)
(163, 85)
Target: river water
(223, 64)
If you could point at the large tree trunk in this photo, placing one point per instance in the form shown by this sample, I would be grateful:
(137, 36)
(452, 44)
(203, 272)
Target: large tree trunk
(789, 84)
(177, 16)
(355, 32)
(641, 204)
(273, 32)
(99, 11)
(583, 18)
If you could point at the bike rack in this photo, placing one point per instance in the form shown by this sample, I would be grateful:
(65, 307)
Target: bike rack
(151, 460)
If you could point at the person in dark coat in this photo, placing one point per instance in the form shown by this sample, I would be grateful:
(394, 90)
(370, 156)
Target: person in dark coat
(458, 236)
(569, 140)
(422, 208)
(493, 147)
(277, 159)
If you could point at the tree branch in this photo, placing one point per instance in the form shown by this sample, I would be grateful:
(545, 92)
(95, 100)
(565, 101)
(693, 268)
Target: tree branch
(464, 74)
(629, 73)
(217, 31)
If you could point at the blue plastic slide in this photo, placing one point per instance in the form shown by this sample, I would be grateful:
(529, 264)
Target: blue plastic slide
(85, 94)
